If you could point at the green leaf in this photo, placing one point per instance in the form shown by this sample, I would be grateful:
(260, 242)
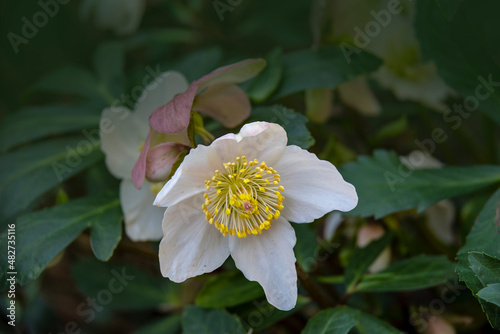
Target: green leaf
(392, 129)
(109, 61)
(228, 289)
(336, 279)
(69, 80)
(462, 41)
(109, 64)
(197, 320)
(99, 181)
(41, 235)
(306, 247)
(264, 315)
(449, 7)
(368, 324)
(339, 320)
(481, 247)
(24, 126)
(362, 258)
(206, 61)
(486, 268)
(140, 291)
(293, 123)
(267, 81)
(385, 185)
(491, 294)
(28, 173)
(154, 37)
(106, 234)
(169, 325)
(343, 319)
(325, 68)
(416, 273)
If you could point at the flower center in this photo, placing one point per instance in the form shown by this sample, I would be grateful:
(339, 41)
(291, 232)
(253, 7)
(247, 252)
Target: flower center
(244, 199)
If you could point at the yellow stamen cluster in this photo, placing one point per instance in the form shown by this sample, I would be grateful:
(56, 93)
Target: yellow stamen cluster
(244, 199)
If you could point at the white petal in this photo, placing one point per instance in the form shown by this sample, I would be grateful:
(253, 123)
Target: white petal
(263, 141)
(158, 92)
(419, 160)
(190, 246)
(440, 217)
(121, 138)
(268, 259)
(142, 218)
(313, 187)
(131, 12)
(258, 140)
(430, 90)
(381, 262)
(123, 17)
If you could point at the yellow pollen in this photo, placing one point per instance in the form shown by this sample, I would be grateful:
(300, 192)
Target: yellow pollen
(244, 198)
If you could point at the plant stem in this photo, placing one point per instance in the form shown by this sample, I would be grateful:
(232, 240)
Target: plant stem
(313, 289)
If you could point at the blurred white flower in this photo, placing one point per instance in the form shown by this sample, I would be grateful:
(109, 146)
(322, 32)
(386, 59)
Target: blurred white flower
(122, 135)
(121, 16)
(439, 216)
(403, 72)
(236, 197)
(367, 234)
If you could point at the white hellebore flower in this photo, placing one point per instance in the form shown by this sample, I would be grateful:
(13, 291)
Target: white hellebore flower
(122, 136)
(236, 197)
(121, 16)
(404, 72)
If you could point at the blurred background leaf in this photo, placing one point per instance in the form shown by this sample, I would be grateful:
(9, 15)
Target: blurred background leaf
(41, 235)
(459, 39)
(197, 320)
(29, 172)
(385, 185)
